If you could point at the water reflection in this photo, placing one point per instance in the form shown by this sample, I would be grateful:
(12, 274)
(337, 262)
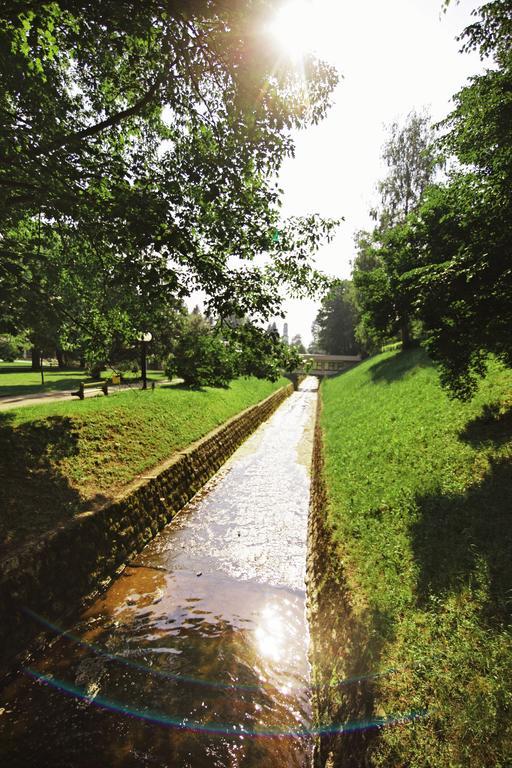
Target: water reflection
(271, 633)
(199, 648)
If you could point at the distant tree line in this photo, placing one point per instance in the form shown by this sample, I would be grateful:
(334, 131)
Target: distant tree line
(334, 328)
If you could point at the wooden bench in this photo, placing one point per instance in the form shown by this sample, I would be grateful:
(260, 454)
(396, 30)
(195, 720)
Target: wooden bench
(83, 386)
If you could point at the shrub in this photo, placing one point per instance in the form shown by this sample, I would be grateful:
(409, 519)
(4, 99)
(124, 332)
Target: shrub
(128, 365)
(11, 347)
(201, 357)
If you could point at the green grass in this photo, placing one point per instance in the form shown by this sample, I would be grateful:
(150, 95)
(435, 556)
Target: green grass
(18, 379)
(57, 457)
(420, 490)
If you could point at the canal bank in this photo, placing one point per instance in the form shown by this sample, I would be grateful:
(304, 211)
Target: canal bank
(413, 569)
(342, 699)
(52, 574)
(197, 653)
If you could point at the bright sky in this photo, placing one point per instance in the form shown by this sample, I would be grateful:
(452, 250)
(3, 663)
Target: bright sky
(393, 56)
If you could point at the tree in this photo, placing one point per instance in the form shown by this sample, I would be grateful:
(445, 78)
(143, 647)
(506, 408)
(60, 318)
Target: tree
(200, 356)
(410, 156)
(298, 343)
(385, 300)
(336, 320)
(260, 353)
(463, 284)
(165, 329)
(12, 347)
(377, 317)
(448, 261)
(314, 348)
(373, 296)
(145, 137)
(204, 355)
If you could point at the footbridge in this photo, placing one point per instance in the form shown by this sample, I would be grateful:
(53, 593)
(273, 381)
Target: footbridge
(327, 365)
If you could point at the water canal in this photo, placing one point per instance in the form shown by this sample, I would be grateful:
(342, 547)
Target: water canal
(197, 654)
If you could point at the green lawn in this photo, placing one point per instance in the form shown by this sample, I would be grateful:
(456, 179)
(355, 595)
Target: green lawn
(18, 380)
(420, 491)
(57, 457)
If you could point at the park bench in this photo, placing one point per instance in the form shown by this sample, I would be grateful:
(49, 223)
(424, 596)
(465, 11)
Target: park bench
(82, 387)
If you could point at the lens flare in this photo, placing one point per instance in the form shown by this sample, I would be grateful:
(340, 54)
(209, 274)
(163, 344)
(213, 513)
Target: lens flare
(264, 637)
(221, 729)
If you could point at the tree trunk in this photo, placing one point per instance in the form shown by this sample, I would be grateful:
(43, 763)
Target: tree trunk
(405, 330)
(60, 357)
(36, 359)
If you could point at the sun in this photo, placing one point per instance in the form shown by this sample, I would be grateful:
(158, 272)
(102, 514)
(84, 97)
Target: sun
(301, 27)
(295, 28)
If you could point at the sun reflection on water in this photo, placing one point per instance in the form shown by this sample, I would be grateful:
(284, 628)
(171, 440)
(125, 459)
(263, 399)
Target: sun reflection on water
(271, 633)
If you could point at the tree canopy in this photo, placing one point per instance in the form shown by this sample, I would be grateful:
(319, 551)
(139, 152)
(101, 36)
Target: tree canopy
(385, 302)
(410, 156)
(140, 142)
(464, 230)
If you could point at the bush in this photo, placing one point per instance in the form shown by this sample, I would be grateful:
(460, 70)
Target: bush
(263, 354)
(201, 357)
(128, 365)
(11, 347)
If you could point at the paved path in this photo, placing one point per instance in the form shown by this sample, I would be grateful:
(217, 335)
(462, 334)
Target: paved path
(9, 402)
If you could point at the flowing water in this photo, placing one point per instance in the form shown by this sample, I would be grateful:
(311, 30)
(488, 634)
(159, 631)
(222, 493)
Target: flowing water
(197, 654)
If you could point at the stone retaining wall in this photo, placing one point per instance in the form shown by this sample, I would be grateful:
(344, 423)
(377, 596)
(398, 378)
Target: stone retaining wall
(342, 694)
(53, 576)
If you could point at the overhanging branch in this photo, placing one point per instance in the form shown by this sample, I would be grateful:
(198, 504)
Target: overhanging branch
(109, 122)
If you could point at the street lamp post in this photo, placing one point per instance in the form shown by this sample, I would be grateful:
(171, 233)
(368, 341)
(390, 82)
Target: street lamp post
(144, 339)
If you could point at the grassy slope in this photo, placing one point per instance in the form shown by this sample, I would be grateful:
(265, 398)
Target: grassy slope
(19, 380)
(55, 457)
(420, 497)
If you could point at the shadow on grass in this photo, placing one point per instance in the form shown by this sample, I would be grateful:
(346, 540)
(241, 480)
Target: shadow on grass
(35, 496)
(494, 426)
(184, 387)
(334, 375)
(396, 367)
(22, 390)
(457, 532)
(56, 380)
(179, 384)
(351, 646)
